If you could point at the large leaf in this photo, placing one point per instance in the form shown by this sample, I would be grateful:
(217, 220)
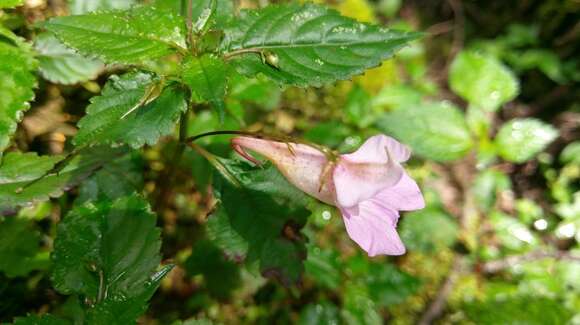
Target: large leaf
(19, 247)
(435, 131)
(62, 65)
(122, 36)
(77, 7)
(108, 252)
(128, 112)
(520, 140)
(260, 223)
(308, 44)
(482, 80)
(16, 88)
(21, 180)
(206, 77)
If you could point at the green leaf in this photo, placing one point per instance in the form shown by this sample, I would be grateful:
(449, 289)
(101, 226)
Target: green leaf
(203, 13)
(358, 108)
(571, 153)
(487, 185)
(133, 110)
(16, 88)
(221, 276)
(206, 77)
(119, 177)
(483, 81)
(62, 65)
(520, 140)
(260, 223)
(358, 307)
(389, 286)
(10, 3)
(324, 266)
(19, 247)
(434, 131)
(78, 7)
(131, 36)
(109, 253)
(20, 175)
(415, 230)
(308, 45)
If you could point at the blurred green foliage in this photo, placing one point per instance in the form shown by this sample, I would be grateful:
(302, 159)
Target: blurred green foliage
(487, 100)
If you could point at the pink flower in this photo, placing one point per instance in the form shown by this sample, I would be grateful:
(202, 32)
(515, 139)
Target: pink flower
(369, 186)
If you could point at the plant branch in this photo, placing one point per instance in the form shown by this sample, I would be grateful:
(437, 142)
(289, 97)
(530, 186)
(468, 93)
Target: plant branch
(437, 306)
(499, 265)
(230, 55)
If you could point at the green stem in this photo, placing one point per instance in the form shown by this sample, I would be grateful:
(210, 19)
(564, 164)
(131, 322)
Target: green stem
(187, 12)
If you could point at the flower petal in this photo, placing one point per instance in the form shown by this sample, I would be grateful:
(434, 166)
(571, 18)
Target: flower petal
(374, 228)
(357, 182)
(373, 151)
(404, 196)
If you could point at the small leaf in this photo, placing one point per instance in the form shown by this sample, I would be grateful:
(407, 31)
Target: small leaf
(202, 13)
(130, 36)
(324, 266)
(316, 314)
(571, 153)
(358, 307)
(16, 88)
(20, 182)
(520, 140)
(487, 185)
(109, 253)
(62, 65)
(435, 131)
(206, 77)
(482, 80)
(312, 45)
(19, 247)
(78, 7)
(125, 113)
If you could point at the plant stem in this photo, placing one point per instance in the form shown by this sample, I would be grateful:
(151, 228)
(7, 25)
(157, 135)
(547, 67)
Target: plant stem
(187, 12)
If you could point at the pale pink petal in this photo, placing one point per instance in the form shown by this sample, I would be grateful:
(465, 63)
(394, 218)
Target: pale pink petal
(374, 228)
(357, 182)
(374, 150)
(404, 196)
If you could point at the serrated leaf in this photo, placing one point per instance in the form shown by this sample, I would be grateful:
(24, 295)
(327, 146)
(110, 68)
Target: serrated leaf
(483, 81)
(16, 88)
(130, 36)
(206, 77)
(18, 247)
(256, 225)
(125, 114)
(435, 131)
(520, 140)
(78, 7)
(10, 3)
(117, 178)
(20, 182)
(109, 252)
(308, 45)
(59, 64)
